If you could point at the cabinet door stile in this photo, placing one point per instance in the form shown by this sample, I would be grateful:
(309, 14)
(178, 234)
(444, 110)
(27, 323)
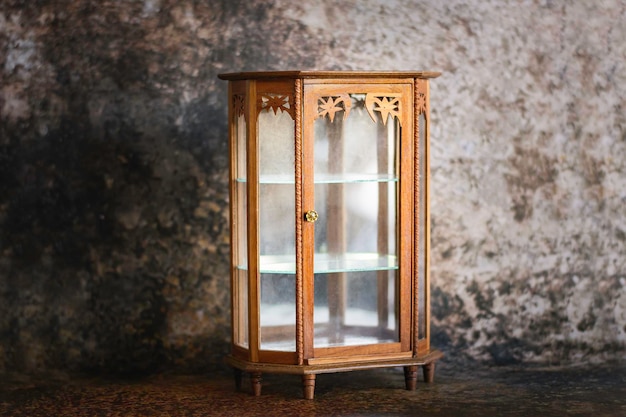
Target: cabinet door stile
(308, 229)
(253, 224)
(298, 158)
(405, 219)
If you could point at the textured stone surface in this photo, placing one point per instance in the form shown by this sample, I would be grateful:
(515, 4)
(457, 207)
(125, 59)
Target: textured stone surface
(502, 391)
(113, 193)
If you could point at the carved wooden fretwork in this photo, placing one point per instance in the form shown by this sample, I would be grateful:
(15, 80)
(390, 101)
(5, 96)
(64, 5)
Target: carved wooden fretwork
(276, 102)
(420, 102)
(329, 106)
(387, 105)
(239, 101)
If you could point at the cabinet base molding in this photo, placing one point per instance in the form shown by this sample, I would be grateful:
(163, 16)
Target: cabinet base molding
(309, 371)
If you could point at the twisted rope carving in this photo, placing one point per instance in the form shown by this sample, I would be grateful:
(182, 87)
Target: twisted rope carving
(416, 185)
(298, 192)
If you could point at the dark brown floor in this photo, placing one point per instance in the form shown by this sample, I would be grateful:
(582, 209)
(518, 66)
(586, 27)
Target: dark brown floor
(457, 391)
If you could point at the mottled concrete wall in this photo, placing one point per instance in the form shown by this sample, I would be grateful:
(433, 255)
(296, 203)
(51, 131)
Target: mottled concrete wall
(113, 193)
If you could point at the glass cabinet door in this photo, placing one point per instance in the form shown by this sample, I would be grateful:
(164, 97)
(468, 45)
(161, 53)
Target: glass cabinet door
(354, 133)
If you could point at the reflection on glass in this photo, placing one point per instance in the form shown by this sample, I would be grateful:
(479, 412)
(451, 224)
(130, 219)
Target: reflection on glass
(240, 133)
(241, 197)
(241, 224)
(276, 224)
(278, 312)
(363, 218)
(241, 307)
(351, 309)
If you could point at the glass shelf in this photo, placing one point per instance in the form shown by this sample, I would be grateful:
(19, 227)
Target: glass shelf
(327, 179)
(326, 264)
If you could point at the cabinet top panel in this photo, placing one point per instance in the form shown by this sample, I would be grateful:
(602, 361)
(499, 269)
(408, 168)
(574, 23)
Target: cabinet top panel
(327, 74)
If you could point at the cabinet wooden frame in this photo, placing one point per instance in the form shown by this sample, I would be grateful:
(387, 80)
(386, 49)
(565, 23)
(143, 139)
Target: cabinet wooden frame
(400, 97)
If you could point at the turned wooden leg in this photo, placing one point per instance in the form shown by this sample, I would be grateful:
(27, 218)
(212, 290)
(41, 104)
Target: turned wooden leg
(429, 372)
(410, 377)
(256, 383)
(308, 385)
(238, 378)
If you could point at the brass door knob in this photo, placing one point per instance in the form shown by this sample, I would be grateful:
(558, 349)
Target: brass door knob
(311, 216)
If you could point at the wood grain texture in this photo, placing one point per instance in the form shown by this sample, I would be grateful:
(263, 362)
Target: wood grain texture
(252, 173)
(359, 75)
(328, 367)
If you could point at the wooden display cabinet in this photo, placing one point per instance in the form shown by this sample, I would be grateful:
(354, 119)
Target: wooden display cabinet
(329, 185)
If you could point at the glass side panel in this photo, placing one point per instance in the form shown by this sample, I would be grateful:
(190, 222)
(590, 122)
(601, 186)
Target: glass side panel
(240, 280)
(276, 145)
(355, 260)
(276, 198)
(276, 227)
(240, 330)
(278, 312)
(421, 259)
(241, 198)
(241, 148)
(356, 308)
(241, 224)
(276, 221)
